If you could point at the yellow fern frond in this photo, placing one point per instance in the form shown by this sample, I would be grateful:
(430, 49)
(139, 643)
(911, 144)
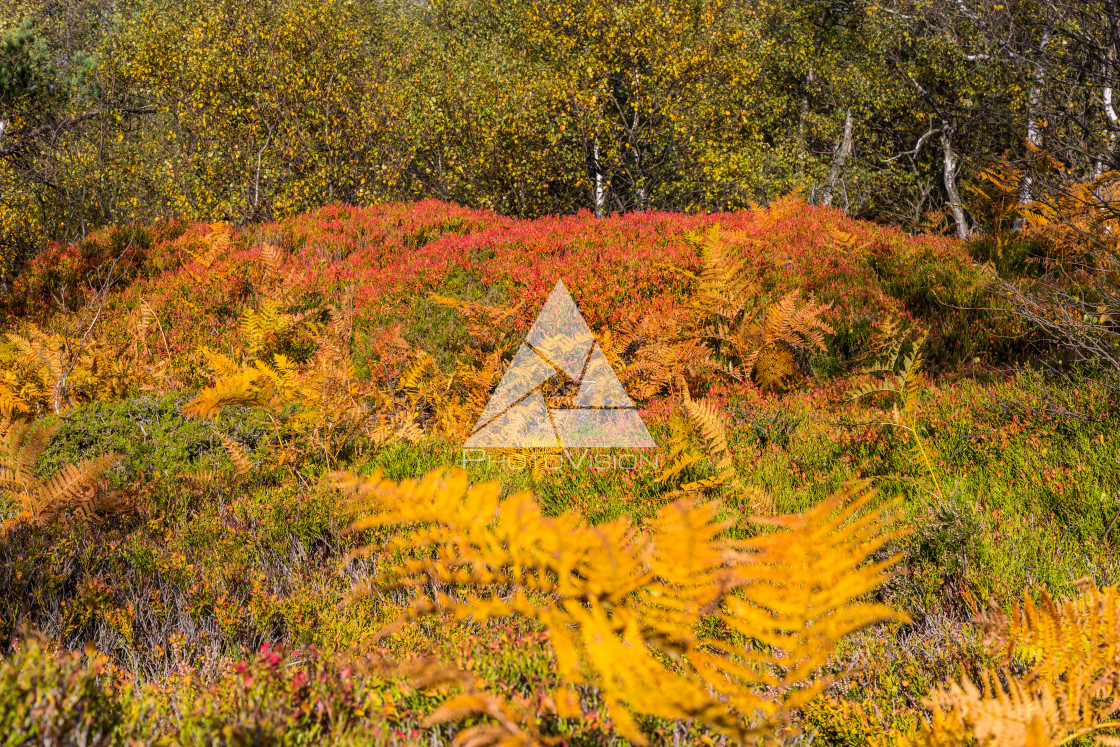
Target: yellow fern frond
(995, 714)
(619, 604)
(649, 355)
(900, 377)
(70, 490)
(488, 326)
(706, 422)
(847, 245)
(241, 389)
(760, 339)
(273, 258)
(800, 590)
(788, 327)
(773, 365)
(422, 366)
(882, 349)
(215, 244)
(219, 365)
(1071, 686)
(727, 284)
(22, 443)
(692, 577)
(146, 316)
(12, 403)
(202, 477)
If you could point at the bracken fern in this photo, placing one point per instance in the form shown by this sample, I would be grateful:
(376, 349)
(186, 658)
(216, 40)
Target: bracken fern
(1070, 691)
(623, 606)
(754, 338)
(72, 489)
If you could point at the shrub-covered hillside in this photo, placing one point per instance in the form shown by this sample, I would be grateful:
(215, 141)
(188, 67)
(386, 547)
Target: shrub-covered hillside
(237, 509)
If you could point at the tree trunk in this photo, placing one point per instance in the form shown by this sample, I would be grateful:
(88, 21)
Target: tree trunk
(803, 125)
(839, 158)
(1034, 129)
(1104, 162)
(600, 192)
(639, 181)
(951, 165)
(1110, 73)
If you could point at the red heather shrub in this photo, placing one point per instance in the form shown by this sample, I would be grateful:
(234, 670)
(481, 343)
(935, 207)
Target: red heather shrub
(68, 266)
(618, 269)
(334, 232)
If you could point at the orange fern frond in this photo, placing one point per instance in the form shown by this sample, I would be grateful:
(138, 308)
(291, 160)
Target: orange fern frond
(1070, 687)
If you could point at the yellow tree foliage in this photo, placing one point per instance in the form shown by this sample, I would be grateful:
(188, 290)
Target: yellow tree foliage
(265, 109)
(623, 605)
(645, 83)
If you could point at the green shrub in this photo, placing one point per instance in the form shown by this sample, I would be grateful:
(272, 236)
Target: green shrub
(56, 699)
(272, 699)
(151, 432)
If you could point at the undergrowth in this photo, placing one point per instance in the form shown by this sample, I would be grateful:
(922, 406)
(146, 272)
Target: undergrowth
(210, 582)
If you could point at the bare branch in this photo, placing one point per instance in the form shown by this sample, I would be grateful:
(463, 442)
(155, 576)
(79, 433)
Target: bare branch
(55, 128)
(917, 147)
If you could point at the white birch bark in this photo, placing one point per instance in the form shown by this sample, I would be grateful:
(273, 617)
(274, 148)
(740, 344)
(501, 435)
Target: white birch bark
(1034, 128)
(1113, 123)
(951, 165)
(839, 158)
(600, 193)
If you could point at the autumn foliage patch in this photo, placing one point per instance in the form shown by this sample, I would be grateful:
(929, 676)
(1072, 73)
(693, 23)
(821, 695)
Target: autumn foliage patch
(251, 387)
